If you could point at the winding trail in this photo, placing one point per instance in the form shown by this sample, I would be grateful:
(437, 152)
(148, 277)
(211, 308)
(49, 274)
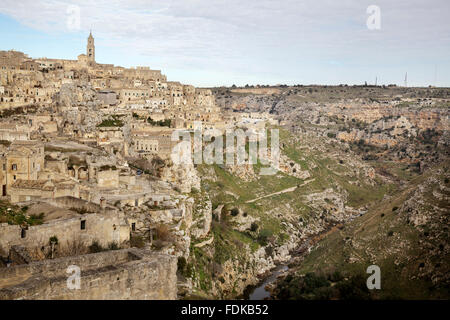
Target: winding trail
(280, 192)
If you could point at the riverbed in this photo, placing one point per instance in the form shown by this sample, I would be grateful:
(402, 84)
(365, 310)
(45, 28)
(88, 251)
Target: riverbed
(259, 292)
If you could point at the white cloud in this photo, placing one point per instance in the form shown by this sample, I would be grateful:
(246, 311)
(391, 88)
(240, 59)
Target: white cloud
(248, 36)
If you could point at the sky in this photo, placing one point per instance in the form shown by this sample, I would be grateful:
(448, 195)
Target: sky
(224, 42)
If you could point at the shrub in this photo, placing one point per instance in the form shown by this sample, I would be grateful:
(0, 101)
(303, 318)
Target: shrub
(269, 250)
(312, 281)
(72, 248)
(335, 276)
(353, 289)
(96, 247)
(53, 240)
(158, 244)
(264, 236)
(36, 219)
(194, 190)
(81, 210)
(220, 185)
(113, 246)
(254, 227)
(163, 233)
(234, 212)
(137, 242)
(181, 263)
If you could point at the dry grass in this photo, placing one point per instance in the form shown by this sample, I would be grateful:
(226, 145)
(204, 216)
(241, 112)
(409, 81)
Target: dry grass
(163, 233)
(71, 248)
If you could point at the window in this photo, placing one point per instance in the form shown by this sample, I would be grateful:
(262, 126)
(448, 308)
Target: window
(14, 177)
(14, 166)
(83, 224)
(23, 233)
(133, 226)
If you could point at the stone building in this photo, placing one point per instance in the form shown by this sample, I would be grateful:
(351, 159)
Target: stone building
(157, 141)
(28, 190)
(70, 220)
(12, 132)
(21, 161)
(129, 274)
(108, 97)
(108, 177)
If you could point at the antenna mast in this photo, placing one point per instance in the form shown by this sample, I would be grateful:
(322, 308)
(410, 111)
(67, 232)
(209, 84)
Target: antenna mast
(435, 74)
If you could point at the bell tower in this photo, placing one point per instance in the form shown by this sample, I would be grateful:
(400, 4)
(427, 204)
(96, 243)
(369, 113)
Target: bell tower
(90, 49)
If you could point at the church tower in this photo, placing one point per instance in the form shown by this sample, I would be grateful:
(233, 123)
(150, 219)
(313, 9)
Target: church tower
(90, 52)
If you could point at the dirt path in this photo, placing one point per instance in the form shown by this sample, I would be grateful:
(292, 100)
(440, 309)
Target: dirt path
(280, 192)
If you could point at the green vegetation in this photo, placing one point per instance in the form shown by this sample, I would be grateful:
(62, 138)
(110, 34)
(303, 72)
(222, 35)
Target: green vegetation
(6, 143)
(315, 286)
(96, 247)
(113, 246)
(15, 215)
(184, 268)
(384, 237)
(53, 240)
(137, 241)
(108, 167)
(269, 214)
(160, 123)
(113, 121)
(81, 210)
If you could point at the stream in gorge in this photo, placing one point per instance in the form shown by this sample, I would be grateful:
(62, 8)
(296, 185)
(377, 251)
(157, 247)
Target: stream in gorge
(259, 291)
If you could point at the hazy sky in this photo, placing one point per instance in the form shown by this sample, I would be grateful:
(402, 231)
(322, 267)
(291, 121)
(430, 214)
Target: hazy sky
(225, 42)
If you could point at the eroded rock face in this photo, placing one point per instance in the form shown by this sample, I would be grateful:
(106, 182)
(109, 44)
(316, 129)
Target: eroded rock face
(184, 176)
(244, 172)
(202, 218)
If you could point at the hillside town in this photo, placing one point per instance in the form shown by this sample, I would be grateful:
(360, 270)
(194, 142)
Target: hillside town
(85, 158)
(88, 181)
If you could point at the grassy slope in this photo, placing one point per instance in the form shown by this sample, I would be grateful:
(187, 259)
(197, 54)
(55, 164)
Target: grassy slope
(234, 192)
(383, 237)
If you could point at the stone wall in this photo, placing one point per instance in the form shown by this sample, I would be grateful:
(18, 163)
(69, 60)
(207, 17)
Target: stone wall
(72, 202)
(113, 275)
(108, 179)
(104, 228)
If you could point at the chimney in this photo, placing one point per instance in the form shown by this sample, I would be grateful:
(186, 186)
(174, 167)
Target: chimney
(103, 203)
